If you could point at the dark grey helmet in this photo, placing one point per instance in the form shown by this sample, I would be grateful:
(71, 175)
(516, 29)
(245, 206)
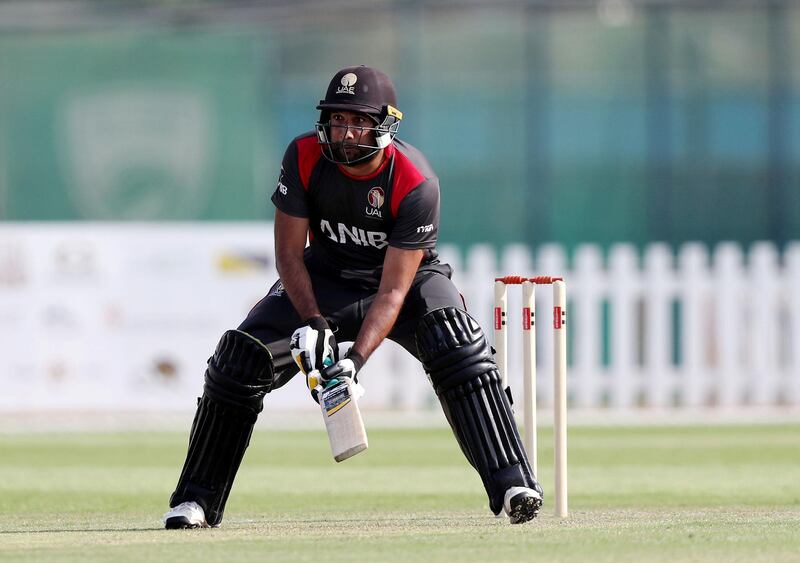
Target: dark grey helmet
(364, 90)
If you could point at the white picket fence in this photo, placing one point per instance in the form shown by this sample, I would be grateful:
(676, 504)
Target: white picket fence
(692, 329)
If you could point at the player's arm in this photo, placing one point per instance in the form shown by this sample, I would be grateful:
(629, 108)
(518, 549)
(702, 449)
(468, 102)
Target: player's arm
(406, 248)
(399, 268)
(312, 345)
(290, 242)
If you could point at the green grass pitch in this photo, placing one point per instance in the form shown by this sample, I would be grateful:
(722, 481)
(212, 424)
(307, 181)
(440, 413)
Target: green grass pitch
(693, 493)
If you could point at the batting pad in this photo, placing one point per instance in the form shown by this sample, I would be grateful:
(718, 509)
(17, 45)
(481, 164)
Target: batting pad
(239, 374)
(459, 362)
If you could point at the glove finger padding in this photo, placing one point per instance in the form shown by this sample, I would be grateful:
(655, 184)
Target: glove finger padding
(349, 366)
(303, 360)
(344, 349)
(313, 348)
(327, 352)
(342, 368)
(314, 384)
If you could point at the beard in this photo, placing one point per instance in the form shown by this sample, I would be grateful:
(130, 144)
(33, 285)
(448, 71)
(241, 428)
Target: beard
(349, 153)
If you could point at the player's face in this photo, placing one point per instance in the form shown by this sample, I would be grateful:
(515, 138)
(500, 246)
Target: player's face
(349, 129)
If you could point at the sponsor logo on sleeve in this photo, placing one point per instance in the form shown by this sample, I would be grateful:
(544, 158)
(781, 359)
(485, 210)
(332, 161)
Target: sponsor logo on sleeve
(425, 228)
(278, 289)
(281, 186)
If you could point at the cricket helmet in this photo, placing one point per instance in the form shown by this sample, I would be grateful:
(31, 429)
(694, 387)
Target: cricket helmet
(364, 90)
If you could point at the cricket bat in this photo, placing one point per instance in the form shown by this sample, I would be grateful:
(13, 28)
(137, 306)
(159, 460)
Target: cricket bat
(343, 421)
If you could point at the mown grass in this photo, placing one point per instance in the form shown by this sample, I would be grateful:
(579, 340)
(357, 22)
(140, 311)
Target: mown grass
(693, 493)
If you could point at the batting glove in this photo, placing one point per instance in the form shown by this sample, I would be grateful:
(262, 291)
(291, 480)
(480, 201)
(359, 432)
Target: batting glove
(349, 366)
(313, 346)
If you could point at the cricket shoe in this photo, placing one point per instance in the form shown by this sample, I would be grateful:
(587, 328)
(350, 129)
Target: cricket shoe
(185, 515)
(522, 504)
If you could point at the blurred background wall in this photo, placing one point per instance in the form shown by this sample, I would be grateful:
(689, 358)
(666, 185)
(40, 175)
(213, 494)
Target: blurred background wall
(547, 121)
(648, 150)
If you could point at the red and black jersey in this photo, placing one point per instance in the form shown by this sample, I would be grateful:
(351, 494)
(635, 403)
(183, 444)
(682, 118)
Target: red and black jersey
(354, 219)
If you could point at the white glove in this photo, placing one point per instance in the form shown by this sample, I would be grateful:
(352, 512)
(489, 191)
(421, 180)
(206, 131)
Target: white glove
(344, 352)
(313, 346)
(348, 366)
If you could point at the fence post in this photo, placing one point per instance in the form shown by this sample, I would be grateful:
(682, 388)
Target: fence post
(763, 278)
(729, 318)
(791, 285)
(623, 289)
(659, 281)
(694, 325)
(587, 287)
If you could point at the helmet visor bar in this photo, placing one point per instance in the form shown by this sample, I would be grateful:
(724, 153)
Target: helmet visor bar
(364, 143)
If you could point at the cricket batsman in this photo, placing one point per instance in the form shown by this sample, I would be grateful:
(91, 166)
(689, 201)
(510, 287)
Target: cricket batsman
(369, 204)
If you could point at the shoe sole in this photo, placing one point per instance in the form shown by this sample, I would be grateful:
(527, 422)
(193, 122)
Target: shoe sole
(181, 523)
(526, 510)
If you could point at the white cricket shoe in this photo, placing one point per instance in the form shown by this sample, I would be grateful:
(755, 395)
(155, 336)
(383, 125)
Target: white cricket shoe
(185, 515)
(522, 504)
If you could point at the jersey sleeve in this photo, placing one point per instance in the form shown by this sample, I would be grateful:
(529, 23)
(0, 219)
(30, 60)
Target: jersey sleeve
(290, 196)
(417, 224)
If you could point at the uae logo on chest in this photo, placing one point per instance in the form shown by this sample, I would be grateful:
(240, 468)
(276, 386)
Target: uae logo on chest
(375, 199)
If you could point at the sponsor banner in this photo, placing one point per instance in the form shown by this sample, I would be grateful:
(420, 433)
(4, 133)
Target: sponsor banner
(102, 316)
(114, 317)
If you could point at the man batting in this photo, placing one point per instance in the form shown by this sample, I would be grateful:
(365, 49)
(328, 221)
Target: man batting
(369, 203)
